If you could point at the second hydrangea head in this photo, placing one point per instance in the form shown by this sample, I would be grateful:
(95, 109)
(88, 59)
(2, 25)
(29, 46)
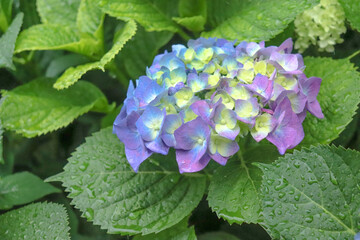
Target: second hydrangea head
(199, 98)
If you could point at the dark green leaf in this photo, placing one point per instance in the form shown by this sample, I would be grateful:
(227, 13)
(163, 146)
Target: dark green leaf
(339, 97)
(352, 9)
(313, 194)
(217, 236)
(109, 193)
(36, 108)
(5, 14)
(234, 189)
(60, 64)
(35, 221)
(191, 8)
(22, 188)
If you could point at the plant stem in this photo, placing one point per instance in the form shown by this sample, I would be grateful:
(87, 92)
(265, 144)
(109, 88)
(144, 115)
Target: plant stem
(353, 55)
(184, 35)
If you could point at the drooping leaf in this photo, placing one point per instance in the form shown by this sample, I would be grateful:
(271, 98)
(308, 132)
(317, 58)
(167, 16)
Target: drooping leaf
(352, 9)
(5, 14)
(59, 64)
(7, 42)
(108, 192)
(35, 221)
(217, 236)
(314, 193)
(37, 108)
(140, 51)
(145, 12)
(180, 231)
(22, 188)
(73, 74)
(339, 96)
(234, 189)
(58, 12)
(255, 20)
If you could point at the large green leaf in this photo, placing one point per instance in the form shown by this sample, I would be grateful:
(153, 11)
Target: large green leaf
(21, 188)
(73, 74)
(179, 231)
(140, 51)
(90, 19)
(58, 12)
(145, 12)
(5, 14)
(35, 221)
(313, 194)
(234, 189)
(36, 108)
(339, 97)
(352, 9)
(7, 42)
(109, 193)
(254, 20)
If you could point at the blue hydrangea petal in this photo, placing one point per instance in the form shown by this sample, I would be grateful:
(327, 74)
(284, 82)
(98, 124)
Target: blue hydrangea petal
(150, 123)
(171, 123)
(136, 156)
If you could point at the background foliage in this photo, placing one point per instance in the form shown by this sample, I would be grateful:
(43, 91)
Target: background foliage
(64, 71)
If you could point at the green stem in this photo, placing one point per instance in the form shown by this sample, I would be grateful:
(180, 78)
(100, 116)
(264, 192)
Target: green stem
(353, 55)
(184, 35)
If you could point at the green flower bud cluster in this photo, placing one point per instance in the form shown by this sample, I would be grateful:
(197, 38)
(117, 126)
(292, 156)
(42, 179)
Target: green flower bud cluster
(321, 25)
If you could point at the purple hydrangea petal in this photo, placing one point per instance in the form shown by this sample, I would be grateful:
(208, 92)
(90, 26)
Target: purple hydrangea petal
(288, 62)
(247, 110)
(158, 146)
(191, 133)
(310, 87)
(150, 123)
(261, 86)
(147, 90)
(136, 156)
(315, 109)
(171, 123)
(186, 165)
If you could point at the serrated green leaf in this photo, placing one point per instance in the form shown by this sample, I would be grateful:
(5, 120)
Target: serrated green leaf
(37, 108)
(7, 42)
(217, 236)
(234, 189)
(109, 193)
(339, 97)
(195, 23)
(35, 221)
(352, 9)
(255, 20)
(73, 74)
(314, 193)
(90, 19)
(179, 231)
(145, 12)
(5, 14)
(58, 12)
(22, 188)
(137, 54)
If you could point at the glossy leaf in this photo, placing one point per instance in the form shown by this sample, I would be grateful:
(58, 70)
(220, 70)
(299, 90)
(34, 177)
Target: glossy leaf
(35, 221)
(7, 42)
(255, 20)
(58, 12)
(21, 188)
(234, 189)
(108, 192)
(73, 74)
(338, 97)
(352, 9)
(37, 108)
(313, 193)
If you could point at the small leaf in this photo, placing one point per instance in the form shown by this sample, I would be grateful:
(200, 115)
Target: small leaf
(37, 108)
(254, 20)
(234, 189)
(352, 9)
(314, 193)
(195, 23)
(145, 12)
(58, 12)
(7, 42)
(217, 236)
(179, 231)
(108, 192)
(35, 221)
(73, 74)
(339, 97)
(5, 14)
(22, 188)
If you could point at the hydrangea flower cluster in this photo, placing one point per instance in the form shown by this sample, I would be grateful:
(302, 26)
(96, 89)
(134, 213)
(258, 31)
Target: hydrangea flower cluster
(199, 99)
(321, 25)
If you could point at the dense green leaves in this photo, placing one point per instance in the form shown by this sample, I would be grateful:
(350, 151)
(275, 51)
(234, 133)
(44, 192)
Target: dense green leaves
(5, 14)
(72, 74)
(147, 13)
(192, 14)
(7, 42)
(313, 193)
(179, 231)
(254, 20)
(339, 96)
(352, 9)
(90, 18)
(21, 188)
(35, 221)
(234, 189)
(109, 193)
(36, 108)
(58, 12)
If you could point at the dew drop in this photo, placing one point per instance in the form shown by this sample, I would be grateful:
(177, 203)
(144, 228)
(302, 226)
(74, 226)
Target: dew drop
(333, 179)
(89, 214)
(309, 219)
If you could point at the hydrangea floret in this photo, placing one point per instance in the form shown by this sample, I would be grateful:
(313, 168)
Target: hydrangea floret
(321, 25)
(201, 98)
